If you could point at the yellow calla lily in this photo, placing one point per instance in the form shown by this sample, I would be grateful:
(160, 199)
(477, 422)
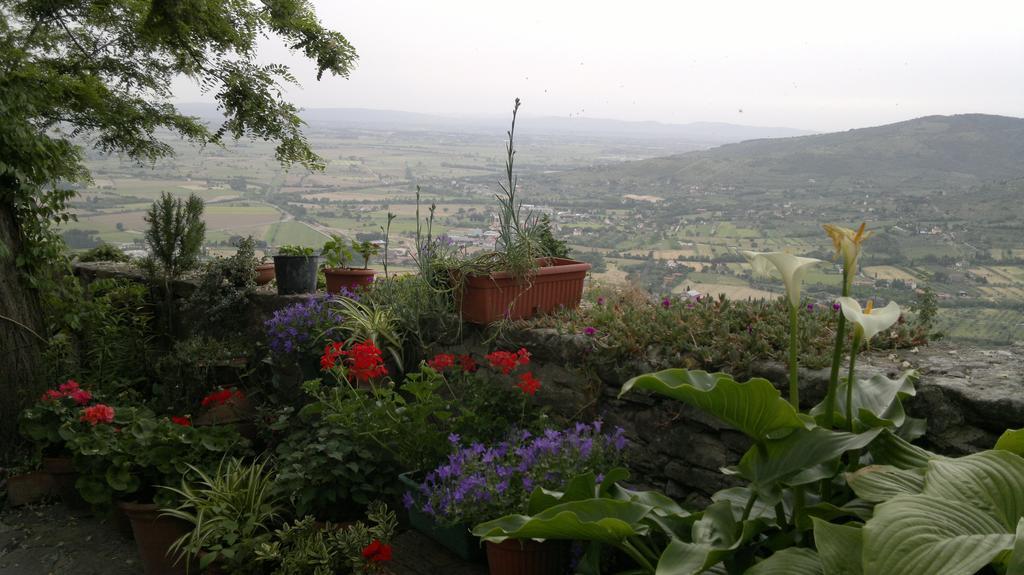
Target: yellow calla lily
(869, 320)
(847, 244)
(792, 268)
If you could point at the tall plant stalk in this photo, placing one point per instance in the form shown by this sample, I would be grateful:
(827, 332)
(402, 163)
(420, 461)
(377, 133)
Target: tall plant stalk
(794, 386)
(837, 359)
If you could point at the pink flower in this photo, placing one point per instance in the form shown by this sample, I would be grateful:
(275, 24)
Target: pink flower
(98, 413)
(589, 330)
(51, 394)
(80, 396)
(69, 387)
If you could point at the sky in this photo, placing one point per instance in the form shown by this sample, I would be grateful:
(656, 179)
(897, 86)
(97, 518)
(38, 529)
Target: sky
(825, 65)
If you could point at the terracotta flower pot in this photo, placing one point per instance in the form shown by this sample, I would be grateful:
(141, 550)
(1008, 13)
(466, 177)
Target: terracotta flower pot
(264, 273)
(154, 535)
(526, 557)
(349, 278)
(557, 283)
(30, 488)
(64, 475)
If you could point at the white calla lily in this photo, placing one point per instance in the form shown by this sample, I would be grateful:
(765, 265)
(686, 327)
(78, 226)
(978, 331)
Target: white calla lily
(869, 320)
(847, 243)
(792, 268)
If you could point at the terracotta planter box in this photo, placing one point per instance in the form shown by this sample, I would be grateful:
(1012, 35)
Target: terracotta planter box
(349, 278)
(527, 557)
(557, 284)
(30, 488)
(264, 273)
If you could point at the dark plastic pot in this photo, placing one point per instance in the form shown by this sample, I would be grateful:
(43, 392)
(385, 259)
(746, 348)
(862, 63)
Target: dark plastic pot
(349, 278)
(30, 488)
(295, 274)
(557, 283)
(62, 471)
(526, 557)
(457, 538)
(154, 535)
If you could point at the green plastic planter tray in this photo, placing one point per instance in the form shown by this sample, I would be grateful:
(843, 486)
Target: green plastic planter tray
(456, 538)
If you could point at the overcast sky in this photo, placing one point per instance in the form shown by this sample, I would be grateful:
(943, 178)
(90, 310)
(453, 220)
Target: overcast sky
(819, 65)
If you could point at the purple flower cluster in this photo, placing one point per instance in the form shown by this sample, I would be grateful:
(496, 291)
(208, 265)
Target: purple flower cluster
(300, 326)
(478, 482)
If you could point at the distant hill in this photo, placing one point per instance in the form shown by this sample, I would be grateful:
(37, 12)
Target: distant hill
(704, 133)
(944, 152)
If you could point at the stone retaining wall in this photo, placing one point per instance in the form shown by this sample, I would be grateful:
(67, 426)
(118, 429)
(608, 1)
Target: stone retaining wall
(969, 396)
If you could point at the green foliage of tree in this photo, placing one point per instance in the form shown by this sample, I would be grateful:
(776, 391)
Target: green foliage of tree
(175, 235)
(102, 73)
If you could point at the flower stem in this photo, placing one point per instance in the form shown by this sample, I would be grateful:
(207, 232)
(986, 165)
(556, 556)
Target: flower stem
(837, 359)
(637, 556)
(849, 378)
(750, 506)
(794, 388)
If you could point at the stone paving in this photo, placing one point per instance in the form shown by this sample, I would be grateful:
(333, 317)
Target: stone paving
(50, 540)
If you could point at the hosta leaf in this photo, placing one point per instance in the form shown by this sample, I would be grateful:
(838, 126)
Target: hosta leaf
(715, 537)
(839, 547)
(604, 520)
(876, 401)
(1012, 440)
(878, 483)
(753, 407)
(1016, 563)
(990, 480)
(925, 535)
(889, 449)
(800, 450)
(792, 561)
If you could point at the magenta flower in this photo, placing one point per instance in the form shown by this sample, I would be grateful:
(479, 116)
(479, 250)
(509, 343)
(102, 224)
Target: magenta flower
(589, 330)
(666, 303)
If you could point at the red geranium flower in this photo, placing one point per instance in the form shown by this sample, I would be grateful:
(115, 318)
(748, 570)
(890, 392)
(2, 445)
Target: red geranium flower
(376, 551)
(442, 361)
(222, 396)
(467, 363)
(80, 396)
(51, 394)
(98, 413)
(332, 352)
(183, 421)
(365, 362)
(528, 383)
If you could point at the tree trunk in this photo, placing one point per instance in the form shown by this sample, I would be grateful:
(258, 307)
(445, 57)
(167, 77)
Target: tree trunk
(21, 333)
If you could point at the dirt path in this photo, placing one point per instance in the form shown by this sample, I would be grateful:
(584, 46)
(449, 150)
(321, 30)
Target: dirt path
(50, 540)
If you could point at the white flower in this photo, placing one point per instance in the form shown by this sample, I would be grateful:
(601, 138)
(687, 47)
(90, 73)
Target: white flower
(869, 320)
(792, 268)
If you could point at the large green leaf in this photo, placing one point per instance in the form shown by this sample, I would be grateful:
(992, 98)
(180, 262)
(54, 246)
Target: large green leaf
(791, 561)
(991, 480)
(878, 483)
(925, 535)
(753, 407)
(605, 520)
(1012, 440)
(876, 401)
(839, 547)
(890, 449)
(715, 537)
(785, 458)
(1015, 566)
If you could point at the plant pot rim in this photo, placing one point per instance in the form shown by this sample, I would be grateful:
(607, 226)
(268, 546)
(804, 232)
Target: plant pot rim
(546, 267)
(350, 271)
(290, 256)
(266, 265)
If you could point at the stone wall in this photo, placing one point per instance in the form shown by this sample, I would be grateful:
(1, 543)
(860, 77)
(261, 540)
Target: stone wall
(969, 396)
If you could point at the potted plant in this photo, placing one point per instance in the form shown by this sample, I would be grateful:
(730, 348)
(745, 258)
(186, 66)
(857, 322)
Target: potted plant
(337, 254)
(525, 275)
(479, 483)
(264, 271)
(125, 453)
(295, 270)
(306, 548)
(42, 424)
(231, 510)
